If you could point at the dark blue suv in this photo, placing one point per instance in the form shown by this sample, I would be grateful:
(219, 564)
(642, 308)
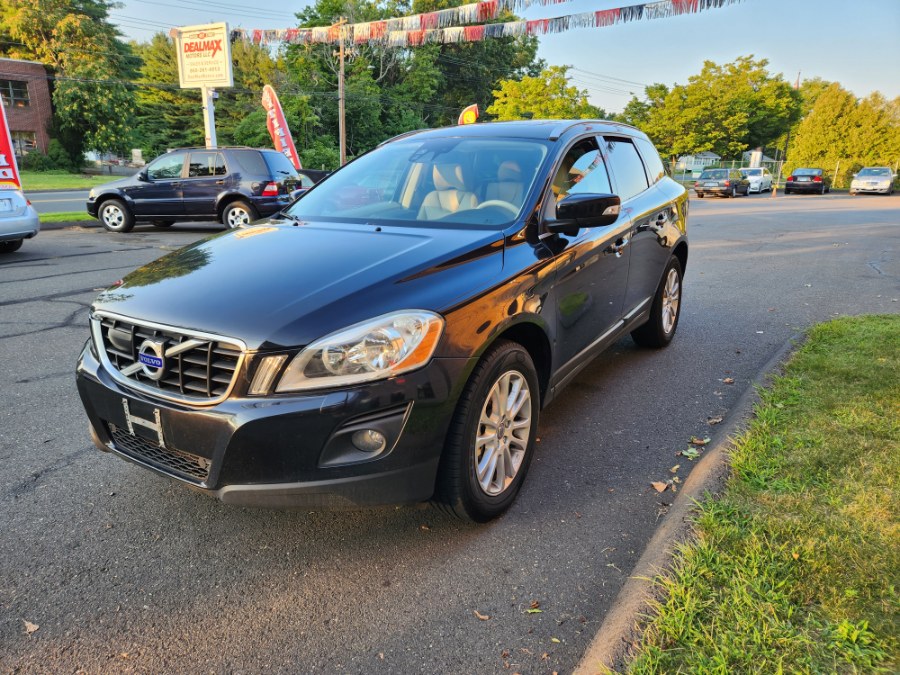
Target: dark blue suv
(234, 186)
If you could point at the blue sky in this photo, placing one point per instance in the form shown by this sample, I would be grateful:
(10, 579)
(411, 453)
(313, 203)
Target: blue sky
(854, 42)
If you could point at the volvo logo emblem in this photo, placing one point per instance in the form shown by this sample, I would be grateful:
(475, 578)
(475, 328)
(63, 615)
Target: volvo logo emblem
(152, 357)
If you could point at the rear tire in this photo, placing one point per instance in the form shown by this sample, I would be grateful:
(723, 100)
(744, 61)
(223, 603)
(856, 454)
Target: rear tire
(163, 223)
(699, 195)
(10, 246)
(115, 216)
(238, 213)
(665, 312)
(492, 436)
(733, 193)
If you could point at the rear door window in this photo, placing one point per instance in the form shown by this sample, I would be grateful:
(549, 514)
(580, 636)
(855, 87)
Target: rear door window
(627, 167)
(280, 167)
(652, 160)
(206, 164)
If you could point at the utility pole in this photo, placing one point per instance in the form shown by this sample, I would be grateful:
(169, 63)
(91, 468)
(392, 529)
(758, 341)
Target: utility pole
(209, 115)
(342, 124)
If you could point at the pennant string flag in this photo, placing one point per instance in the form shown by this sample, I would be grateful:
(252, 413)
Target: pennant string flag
(446, 26)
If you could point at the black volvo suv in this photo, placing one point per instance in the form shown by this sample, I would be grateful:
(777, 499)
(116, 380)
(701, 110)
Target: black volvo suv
(394, 334)
(234, 186)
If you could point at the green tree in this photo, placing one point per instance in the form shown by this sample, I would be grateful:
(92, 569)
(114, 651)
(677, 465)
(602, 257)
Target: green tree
(637, 111)
(845, 134)
(91, 98)
(547, 96)
(166, 116)
(724, 109)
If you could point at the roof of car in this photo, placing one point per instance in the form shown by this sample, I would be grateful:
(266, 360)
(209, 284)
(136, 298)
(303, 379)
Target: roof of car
(539, 129)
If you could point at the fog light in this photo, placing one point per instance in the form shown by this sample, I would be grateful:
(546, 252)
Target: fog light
(369, 440)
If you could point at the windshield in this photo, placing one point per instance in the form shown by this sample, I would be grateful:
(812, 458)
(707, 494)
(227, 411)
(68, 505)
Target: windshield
(875, 171)
(478, 182)
(807, 172)
(716, 174)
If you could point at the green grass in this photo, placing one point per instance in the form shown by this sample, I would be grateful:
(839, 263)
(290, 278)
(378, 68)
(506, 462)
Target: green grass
(57, 180)
(65, 217)
(795, 568)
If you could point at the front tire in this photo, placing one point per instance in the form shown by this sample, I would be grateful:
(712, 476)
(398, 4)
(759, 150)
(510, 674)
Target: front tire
(665, 312)
(238, 213)
(115, 216)
(492, 436)
(10, 246)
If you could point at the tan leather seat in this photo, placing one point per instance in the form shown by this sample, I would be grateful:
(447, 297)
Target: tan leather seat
(450, 194)
(509, 187)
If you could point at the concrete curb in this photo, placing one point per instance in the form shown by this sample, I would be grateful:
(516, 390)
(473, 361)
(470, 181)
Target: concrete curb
(87, 222)
(620, 630)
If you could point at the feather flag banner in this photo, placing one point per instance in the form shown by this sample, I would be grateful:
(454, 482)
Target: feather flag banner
(468, 23)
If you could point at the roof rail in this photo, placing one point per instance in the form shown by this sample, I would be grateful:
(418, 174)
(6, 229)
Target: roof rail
(403, 135)
(571, 124)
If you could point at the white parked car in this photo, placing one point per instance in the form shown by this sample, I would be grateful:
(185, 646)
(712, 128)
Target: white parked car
(18, 220)
(879, 179)
(760, 179)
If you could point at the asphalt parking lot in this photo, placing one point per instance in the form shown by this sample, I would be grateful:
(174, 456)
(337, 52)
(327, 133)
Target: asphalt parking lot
(125, 571)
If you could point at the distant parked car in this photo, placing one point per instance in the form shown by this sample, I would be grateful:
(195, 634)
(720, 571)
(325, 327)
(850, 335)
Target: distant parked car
(723, 182)
(808, 180)
(234, 186)
(18, 220)
(876, 179)
(760, 179)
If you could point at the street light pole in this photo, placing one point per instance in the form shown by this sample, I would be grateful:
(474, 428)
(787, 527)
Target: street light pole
(342, 128)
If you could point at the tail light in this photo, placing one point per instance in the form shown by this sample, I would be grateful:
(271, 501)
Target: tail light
(790, 178)
(271, 190)
(727, 183)
(817, 179)
(697, 183)
(28, 201)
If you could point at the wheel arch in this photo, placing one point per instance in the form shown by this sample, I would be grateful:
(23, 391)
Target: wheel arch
(101, 199)
(226, 199)
(681, 252)
(534, 340)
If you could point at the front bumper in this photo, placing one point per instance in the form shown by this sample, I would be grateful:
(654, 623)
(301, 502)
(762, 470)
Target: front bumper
(871, 189)
(284, 451)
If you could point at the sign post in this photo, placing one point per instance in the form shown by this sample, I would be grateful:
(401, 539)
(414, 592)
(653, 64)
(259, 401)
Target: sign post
(204, 63)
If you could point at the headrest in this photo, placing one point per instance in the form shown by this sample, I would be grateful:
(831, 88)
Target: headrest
(448, 177)
(509, 171)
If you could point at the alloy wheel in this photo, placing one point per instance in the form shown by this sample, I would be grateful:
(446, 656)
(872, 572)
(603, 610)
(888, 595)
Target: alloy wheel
(670, 299)
(503, 430)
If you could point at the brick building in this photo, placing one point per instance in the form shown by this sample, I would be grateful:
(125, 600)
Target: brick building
(26, 98)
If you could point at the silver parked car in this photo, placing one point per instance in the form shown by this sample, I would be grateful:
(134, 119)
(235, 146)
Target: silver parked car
(877, 179)
(760, 179)
(18, 220)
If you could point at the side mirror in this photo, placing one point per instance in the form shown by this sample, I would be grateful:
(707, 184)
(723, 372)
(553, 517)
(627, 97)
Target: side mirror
(142, 176)
(585, 210)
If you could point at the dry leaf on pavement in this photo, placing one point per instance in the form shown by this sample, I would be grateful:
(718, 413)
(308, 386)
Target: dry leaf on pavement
(482, 617)
(30, 627)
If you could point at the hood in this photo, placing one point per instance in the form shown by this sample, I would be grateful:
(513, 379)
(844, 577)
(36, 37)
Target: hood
(277, 285)
(120, 183)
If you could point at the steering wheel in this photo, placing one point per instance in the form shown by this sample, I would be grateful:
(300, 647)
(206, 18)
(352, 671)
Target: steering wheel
(506, 206)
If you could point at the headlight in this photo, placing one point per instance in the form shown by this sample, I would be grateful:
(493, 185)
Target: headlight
(376, 349)
(91, 194)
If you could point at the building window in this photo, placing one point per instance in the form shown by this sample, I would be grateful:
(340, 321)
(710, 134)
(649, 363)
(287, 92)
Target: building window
(14, 93)
(23, 142)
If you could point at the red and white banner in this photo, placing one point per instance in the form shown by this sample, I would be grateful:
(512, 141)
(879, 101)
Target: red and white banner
(9, 170)
(454, 25)
(278, 128)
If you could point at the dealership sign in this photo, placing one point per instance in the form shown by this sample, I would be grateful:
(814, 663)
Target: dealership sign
(9, 172)
(204, 56)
